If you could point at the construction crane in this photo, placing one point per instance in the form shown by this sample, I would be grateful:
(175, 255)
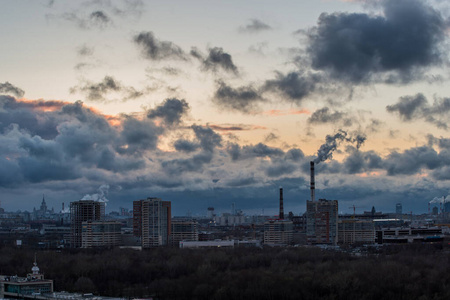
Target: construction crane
(354, 210)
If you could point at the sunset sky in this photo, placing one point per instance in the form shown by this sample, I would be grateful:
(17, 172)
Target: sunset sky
(209, 103)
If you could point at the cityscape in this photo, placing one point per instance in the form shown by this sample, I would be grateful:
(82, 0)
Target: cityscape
(225, 149)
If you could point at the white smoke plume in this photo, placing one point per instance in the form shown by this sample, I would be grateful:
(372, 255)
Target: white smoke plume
(100, 196)
(443, 199)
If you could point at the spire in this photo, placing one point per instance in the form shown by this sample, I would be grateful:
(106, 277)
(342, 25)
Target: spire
(35, 268)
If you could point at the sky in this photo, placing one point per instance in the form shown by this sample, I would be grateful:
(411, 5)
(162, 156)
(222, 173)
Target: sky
(209, 103)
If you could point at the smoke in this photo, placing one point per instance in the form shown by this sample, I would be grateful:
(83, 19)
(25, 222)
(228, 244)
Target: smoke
(100, 196)
(332, 142)
(443, 199)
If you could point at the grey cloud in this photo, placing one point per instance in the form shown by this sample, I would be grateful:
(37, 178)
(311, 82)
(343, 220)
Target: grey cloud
(357, 47)
(99, 91)
(216, 59)
(280, 169)
(411, 161)
(293, 86)
(244, 99)
(207, 137)
(185, 145)
(9, 88)
(254, 26)
(252, 151)
(358, 162)
(170, 111)
(324, 115)
(411, 108)
(139, 135)
(194, 164)
(84, 50)
(271, 137)
(154, 49)
(96, 19)
(241, 181)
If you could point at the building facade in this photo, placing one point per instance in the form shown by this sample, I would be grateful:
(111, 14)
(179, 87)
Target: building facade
(183, 230)
(278, 232)
(83, 211)
(356, 231)
(152, 221)
(322, 221)
(101, 234)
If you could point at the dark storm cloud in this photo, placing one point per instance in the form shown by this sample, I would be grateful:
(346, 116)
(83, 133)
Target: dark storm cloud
(244, 99)
(324, 115)
(216, 59)
(293, 86)
(154, 49)
(11, 89)
(356, 46)
(241, 181)
(99, 91)
(284, 165)
(54, 141)
(254, 26)
(411, 108)
(170, 111)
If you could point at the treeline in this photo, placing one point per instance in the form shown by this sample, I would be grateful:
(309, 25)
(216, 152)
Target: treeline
(407, 272)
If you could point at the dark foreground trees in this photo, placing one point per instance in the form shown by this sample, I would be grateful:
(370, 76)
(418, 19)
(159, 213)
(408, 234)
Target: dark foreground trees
(273, 273)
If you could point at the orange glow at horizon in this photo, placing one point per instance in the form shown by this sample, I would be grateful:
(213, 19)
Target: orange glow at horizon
(369, 174)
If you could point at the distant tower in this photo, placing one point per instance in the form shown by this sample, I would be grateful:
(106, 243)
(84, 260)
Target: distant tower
(312, 182)
(281, 214)
(210, 213)
(43, 208)
(398, 209)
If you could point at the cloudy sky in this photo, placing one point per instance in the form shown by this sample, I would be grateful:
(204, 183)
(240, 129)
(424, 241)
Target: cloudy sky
(209, 103)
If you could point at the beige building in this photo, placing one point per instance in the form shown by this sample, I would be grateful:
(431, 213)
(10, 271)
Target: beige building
(356, 231)
(278, 232)
(101, 234)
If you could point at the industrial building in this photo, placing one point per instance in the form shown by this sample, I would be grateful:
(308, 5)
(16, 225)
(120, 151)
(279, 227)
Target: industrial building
(101, 234)
(321, 218)
(183, 230)
(83, 211)
(152, 221)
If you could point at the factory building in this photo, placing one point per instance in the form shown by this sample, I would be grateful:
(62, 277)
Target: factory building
(101, 234)
(152, 221)
(183, 230)
(83, 211)
(354, 231)
(321, 218)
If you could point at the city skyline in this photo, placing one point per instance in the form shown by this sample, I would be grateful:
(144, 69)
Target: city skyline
(212, 103)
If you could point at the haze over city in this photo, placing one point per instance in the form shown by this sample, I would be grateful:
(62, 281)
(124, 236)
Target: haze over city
(209, 103)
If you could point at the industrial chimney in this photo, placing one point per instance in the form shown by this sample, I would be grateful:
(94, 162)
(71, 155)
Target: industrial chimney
(281, 215)
(313, 184)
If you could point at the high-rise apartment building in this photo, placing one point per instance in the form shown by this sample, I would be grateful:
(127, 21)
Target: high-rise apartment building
(321, 221)
(152, 221)
(82, 211)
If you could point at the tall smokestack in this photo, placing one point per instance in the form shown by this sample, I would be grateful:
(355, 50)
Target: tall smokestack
(313, 183)
(281, 215)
